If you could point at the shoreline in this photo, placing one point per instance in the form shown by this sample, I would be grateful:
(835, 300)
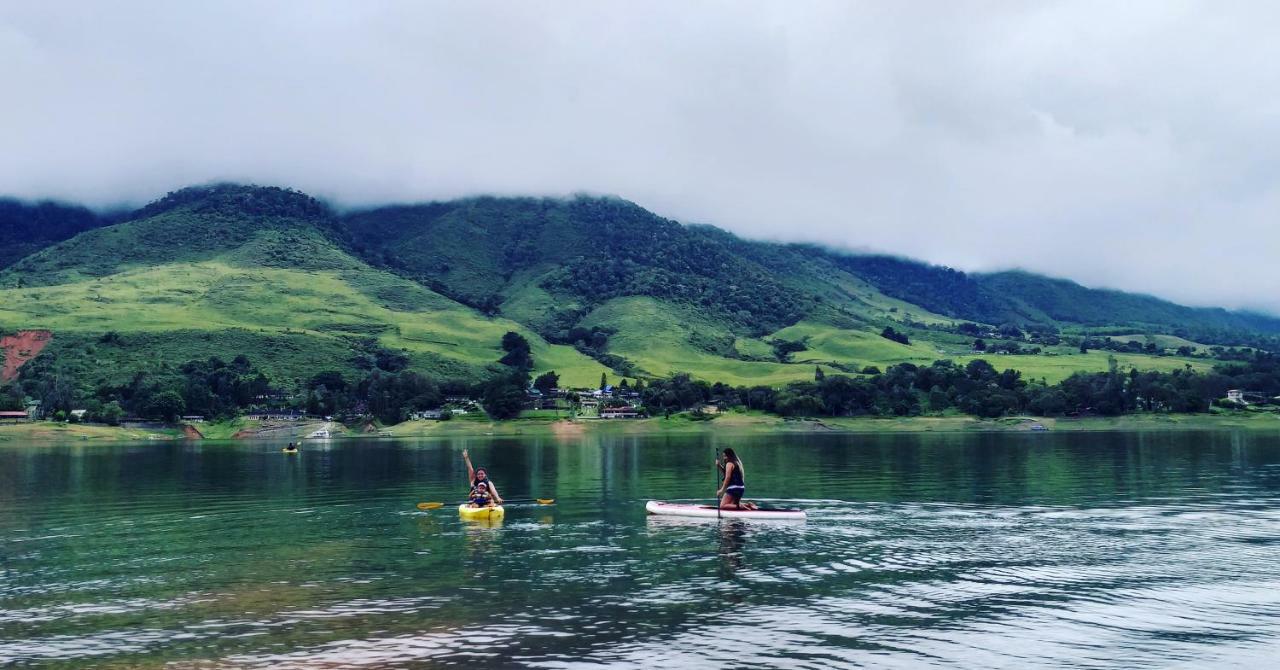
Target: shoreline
(730, 422)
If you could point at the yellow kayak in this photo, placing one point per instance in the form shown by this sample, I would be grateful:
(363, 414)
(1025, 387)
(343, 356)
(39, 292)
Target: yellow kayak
(469, 513)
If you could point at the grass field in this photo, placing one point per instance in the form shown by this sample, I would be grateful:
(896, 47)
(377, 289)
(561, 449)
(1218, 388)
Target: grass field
(1163, 341)
(49, 431)
(310, 308)
(860, 347)
(660, 338)
(1056, 368)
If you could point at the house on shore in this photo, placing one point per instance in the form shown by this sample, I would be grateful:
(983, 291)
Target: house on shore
(277, 416)
(619, 413)
(14, 417)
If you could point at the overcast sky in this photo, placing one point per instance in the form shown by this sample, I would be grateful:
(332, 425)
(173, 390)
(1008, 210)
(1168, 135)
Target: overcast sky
(1123, 144)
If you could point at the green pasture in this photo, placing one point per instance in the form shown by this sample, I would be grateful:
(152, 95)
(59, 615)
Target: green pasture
(212, 296)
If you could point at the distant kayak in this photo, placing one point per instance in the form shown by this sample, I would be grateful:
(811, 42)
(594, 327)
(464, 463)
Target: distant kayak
(710, 511)
(470, 513)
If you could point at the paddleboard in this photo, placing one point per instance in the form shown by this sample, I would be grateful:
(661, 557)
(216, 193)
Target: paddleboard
(470, 513)
(710, 512)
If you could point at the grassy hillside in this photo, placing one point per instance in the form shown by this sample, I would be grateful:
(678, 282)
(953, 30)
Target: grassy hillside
(552, 259)
(249, 226)
(277, 275)
(323, 311)
(237, 271)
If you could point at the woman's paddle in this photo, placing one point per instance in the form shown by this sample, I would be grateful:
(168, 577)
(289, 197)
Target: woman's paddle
(424, 506)
(718, 480)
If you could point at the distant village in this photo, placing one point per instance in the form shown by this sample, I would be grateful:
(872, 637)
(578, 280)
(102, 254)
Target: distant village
(609, 402)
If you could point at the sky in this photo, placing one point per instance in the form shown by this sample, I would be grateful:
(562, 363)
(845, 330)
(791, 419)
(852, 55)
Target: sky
(1131, 145)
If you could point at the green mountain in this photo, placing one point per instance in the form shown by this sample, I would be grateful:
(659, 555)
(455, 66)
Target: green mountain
(597, 285)
(26, 228)
(260, 271)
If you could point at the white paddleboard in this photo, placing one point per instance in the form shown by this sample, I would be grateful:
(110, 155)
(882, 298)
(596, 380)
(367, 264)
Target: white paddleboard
(710, 512)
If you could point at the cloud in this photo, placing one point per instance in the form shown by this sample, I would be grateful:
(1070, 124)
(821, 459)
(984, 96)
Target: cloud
(1129, 146)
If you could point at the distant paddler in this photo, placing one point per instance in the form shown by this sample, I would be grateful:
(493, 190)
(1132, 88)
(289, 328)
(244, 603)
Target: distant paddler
(734, 485)
(483, 493)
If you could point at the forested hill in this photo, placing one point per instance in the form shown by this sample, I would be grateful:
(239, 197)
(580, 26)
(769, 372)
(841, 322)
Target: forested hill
(511, 254)
(596, 284)
(1023, 297)
(26, 228)
(484, 251)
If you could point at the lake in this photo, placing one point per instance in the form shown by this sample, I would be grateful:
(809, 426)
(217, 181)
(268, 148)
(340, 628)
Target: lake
(1058, 550)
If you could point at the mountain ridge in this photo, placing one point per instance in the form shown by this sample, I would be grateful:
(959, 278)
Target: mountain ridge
(599, 285)
(946, 291)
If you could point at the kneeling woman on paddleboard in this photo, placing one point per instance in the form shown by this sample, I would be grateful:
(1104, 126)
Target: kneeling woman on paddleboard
(483, 493)
(734, 485)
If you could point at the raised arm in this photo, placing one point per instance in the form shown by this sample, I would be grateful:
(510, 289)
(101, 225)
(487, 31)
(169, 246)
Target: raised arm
(471, 472)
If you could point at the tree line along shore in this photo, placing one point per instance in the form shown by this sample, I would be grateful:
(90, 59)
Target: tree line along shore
(734, 423)
(201, 398)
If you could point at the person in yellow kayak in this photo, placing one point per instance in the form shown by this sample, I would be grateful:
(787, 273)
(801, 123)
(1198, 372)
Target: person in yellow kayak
(483, 493)
(735, 484)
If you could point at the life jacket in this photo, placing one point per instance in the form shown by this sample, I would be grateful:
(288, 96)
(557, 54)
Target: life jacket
(480, 489)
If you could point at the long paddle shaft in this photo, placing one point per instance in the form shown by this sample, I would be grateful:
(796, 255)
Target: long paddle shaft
(424, 506)
(718, 479)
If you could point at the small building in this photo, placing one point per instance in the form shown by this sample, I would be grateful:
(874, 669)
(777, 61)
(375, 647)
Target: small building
(193, 418)
(14, 417)
(1236, 396)
(277, 416)
(79, 414)
(619, 413)
(425, 414)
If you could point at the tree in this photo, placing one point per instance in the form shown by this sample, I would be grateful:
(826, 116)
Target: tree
(604, 381)
(547, 382)
(518, 354)
(979, 345)
(1010, 331)
(11, 398)
(165, 406)
(504, 396)
(818, 374)
(111, 413)
(890, 334)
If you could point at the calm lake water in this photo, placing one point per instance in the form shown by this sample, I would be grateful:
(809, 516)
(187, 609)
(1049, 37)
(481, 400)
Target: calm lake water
(1123, 550)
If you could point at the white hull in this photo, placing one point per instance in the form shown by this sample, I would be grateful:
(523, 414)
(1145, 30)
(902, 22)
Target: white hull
(710, 512)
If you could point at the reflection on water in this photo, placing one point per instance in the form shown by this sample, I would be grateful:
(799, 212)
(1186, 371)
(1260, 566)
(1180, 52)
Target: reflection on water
(733, 540)
(1118, 550)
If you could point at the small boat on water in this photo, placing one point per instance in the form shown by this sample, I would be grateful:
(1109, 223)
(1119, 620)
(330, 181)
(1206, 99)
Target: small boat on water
(469, 513)
(710, 512)
(321, 434)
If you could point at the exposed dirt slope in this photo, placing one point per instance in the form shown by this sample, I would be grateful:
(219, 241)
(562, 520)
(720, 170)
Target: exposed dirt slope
(20, 348)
